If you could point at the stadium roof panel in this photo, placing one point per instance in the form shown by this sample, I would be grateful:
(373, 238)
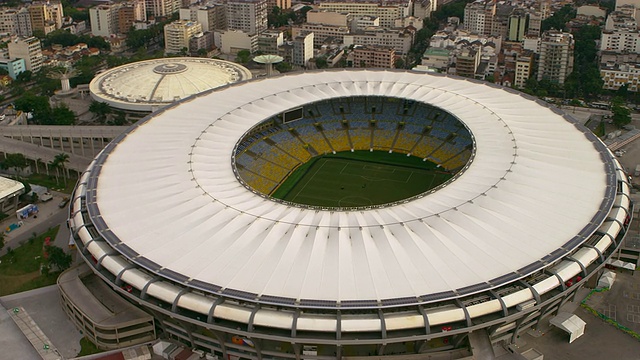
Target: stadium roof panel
(168, 191)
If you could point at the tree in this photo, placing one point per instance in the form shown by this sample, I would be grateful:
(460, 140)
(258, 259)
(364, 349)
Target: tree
(62, 115)
(243, 56)
(57, 258)
(321, 63)
(17, 162)
(399, 63)
(24, 76)
(101, 110)
(621, 114)
(559, 19)
(283, 67)
(59, 163)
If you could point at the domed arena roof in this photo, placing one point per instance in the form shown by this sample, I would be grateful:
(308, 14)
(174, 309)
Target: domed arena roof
(152, 84)
(167, 196)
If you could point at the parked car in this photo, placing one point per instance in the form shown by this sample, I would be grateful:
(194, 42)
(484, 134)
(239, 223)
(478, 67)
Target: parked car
(46, 197)
(64, 202)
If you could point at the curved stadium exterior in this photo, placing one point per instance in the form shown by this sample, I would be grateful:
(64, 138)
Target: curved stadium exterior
(170, 213)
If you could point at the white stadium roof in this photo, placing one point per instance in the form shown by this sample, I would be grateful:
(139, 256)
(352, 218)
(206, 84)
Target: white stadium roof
(538, 185)
(152, 84)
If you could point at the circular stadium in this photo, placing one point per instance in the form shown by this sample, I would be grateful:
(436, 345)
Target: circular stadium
(332, 214)
(153, 84)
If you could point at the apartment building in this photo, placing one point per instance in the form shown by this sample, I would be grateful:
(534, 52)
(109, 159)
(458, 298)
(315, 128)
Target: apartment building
(13, 67)
(211, 16)
(524, 68)
(399, 39)
(103, 19)
(249, 16)
(479, 16)
(617, 75)
(387, 14)
(467, 61)
(178, 33)
(556, 56)
(269, 41)
(322, 32)
(46, 16)
(282, 4)
(302, 49)
(162, 7)
(28, 49)
(116, 18)
(374, 56)
(232, 41)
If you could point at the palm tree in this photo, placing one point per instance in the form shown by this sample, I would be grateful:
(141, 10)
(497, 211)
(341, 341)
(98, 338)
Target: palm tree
(59, 161)
(56, 166)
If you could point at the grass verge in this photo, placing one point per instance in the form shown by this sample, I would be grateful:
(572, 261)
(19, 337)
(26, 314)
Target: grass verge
(20, 267)
(87, 348)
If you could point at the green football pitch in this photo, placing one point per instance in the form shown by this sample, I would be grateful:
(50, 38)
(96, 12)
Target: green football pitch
(361, 178)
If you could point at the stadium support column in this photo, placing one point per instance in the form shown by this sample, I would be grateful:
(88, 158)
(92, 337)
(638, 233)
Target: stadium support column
(250, 328)
(297, 350)
(383, 331)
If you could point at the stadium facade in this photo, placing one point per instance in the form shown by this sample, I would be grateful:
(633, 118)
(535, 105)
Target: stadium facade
(170, 219)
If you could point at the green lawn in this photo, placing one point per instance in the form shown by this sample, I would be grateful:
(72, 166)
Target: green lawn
(87, 348)
(49, 181)
(20, 269)
(360, 178)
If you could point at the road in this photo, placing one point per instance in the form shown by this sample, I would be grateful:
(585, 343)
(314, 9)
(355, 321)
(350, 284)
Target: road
(54, 218)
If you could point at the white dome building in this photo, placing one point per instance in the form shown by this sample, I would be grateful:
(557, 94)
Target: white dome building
(535, 211)
(153, 84)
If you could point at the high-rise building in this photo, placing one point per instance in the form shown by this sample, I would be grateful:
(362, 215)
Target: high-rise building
(211, 16)
(556, 56)
(517, 25)
(374, 56)
(467, 62)
(302, 49)
(534, 24)
(162, 7)
(28, 49)
(23, 25)
(399, 39)
(178, 33)
(524, 67)
(282, 4)
(387, 14)
(478, 17)
(249, 16)
(116, 18)
(8, 20)
(269, 41)
(103, 19)
(46, 16)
